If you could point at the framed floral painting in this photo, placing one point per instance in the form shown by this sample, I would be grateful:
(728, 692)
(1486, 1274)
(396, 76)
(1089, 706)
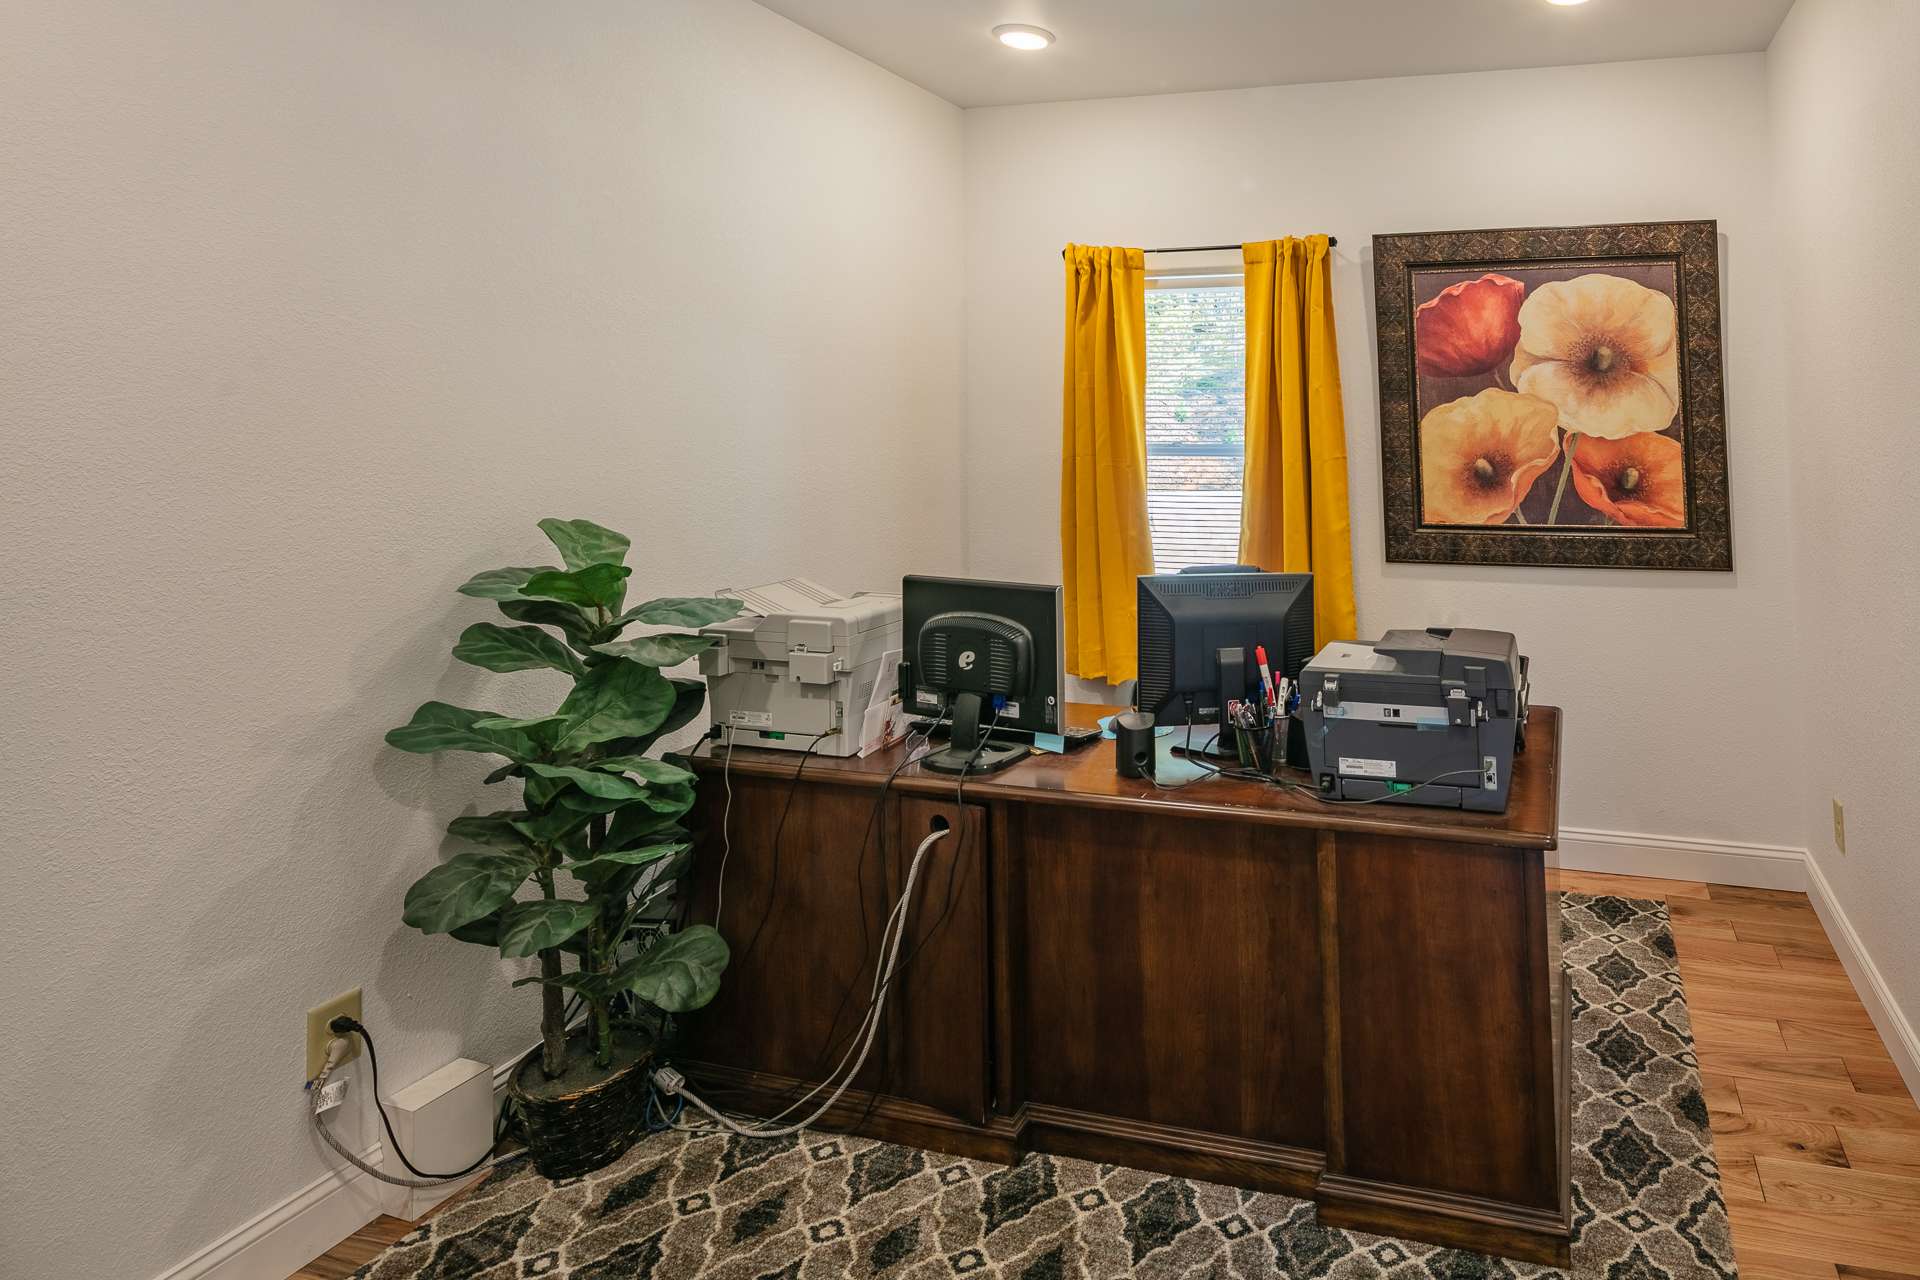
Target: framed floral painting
(1552, 396)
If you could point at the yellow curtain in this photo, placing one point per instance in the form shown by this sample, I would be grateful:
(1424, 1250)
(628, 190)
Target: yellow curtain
(1293, 517)
(1104, 540)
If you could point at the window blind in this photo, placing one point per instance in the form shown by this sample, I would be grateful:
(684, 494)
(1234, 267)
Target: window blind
(1196, 422)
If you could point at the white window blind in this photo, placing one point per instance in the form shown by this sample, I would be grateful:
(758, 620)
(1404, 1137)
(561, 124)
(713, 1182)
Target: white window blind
(1196, 418)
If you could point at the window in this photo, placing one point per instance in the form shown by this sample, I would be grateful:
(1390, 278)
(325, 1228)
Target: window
(1196, 416)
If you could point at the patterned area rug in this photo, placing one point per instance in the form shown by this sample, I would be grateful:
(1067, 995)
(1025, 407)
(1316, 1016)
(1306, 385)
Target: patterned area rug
(1646, 1191)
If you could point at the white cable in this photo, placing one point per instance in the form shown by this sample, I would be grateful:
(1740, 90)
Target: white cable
(726, 830)
(319, 1082)
(674, 1085)
(895, 918)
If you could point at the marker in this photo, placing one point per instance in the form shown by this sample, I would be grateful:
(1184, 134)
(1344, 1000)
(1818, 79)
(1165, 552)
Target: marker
(1266, 676)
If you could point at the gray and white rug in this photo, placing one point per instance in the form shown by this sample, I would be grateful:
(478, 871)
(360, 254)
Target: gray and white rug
(711, 1206)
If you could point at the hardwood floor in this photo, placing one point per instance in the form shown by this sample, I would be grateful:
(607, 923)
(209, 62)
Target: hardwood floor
(1817, 1138)
(362, 1247)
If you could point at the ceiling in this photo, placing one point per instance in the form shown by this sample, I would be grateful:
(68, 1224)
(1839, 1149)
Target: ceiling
(1119, 48)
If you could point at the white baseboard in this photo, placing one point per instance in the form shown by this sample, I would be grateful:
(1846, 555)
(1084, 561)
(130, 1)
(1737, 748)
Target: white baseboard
(289, 1235)
(1628, 853)
(1896, 1032)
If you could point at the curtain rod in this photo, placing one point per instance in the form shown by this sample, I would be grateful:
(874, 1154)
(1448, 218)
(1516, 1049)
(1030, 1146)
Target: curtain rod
(1211, 248)
(1208, 248)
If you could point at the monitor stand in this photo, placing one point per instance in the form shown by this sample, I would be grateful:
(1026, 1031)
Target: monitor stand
(968, 748)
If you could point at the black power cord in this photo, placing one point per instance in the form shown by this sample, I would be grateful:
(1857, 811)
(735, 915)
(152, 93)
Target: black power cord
(959, 828)
(867, 840)
(344, 1025)
(836, 1042)
(773, 880)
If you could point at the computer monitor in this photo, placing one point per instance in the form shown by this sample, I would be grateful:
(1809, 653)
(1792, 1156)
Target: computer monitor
(982, 655)
(1198, 633)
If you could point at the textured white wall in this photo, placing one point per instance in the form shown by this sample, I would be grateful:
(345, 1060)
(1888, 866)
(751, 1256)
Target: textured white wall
(311, 309)
(1846, 129)
(1666, 678)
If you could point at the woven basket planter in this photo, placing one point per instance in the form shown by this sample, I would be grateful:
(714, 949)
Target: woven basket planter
(588, 1118)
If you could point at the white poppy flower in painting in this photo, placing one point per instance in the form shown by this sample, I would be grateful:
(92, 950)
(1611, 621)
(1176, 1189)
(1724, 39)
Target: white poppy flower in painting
(1602, 350)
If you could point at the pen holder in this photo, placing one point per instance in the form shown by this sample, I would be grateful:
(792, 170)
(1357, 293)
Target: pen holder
(1255, 746)
(1247, 747)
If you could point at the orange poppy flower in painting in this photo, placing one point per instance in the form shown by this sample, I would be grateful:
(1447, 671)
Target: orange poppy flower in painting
(1604, 350)
(1638, 480)
(1469, 327)
(1480, 454)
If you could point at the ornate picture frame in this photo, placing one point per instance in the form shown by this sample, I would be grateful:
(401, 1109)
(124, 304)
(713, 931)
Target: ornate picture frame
(1553, 396)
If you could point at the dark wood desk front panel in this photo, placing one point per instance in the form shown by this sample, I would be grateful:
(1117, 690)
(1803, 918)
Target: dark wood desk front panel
(1229, 981)
(1178, 991)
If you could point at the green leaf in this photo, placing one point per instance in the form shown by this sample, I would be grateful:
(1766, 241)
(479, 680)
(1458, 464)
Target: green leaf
(668, 650)
(684, 611)
(501, 584)
(599, 585)
(494, 830)
(483, 932)
(555, 824)
(602, 864)
(607, 786)
(583, 543)
(669, 800)
(658, 772)
(573, 624)
(437, 726)
(657, 877)
(578, 801)
(486, 932)
(541, 729)
(497, 648)
(462, 889)
(617, 700)
(678, 973)
(540, 793)
(532, 927)
(636, 824)
(689, 700)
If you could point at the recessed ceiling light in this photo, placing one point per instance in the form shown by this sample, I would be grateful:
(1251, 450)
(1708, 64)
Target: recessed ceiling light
(1566, 2)
(1015, 35)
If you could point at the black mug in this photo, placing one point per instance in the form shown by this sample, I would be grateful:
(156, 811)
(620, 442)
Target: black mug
(1133, 744)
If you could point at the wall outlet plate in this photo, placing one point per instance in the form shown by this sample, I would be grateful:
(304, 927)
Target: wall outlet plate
(1839, 826)
(318, 1033)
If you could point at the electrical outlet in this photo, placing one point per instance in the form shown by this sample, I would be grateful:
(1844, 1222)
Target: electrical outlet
(1840, 826)
(318, 1033)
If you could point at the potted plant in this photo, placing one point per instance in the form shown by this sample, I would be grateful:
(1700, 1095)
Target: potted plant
(597, 832)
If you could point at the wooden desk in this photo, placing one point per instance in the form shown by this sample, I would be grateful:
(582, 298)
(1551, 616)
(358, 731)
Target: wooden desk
(1231, 981)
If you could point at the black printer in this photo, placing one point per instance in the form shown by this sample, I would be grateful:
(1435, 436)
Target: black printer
(1427, 717)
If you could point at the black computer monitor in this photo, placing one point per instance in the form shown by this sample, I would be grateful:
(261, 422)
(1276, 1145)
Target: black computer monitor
(982, 655)
(1198, 632)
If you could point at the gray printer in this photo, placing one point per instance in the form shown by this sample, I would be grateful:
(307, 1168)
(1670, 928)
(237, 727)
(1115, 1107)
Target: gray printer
(800, 668)
(1417, 717)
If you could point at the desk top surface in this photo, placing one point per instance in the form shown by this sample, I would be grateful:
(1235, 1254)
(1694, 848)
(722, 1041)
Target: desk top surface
(1086, 776)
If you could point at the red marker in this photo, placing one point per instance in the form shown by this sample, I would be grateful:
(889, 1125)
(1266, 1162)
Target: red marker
(1266, 676)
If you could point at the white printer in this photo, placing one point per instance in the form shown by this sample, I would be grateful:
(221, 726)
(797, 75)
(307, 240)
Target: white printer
(802, 666)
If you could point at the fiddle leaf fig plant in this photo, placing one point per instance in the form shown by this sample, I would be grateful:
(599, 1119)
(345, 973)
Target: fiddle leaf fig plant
(598, 828)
